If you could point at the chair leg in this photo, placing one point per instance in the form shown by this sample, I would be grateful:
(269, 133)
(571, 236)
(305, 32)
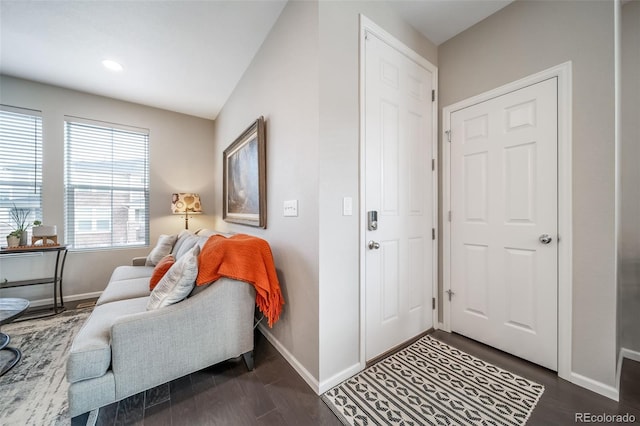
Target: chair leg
(248, 360)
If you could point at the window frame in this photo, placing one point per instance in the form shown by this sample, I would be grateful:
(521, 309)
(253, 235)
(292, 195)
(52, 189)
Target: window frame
(121, 139)
(18, 188)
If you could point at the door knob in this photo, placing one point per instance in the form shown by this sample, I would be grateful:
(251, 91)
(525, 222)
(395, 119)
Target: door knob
(545, 238)
(373, 245)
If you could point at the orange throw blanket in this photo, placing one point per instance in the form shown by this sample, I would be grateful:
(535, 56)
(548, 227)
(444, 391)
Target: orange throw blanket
(245, 258)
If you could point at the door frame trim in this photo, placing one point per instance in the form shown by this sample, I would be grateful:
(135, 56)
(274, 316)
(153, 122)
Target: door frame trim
(368, 26)
(565, 234)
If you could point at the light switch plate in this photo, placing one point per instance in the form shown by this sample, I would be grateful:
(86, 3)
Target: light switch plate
(347, 206)
(291, 208)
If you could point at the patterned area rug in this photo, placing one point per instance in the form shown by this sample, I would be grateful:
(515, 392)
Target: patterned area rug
(431, 383)
(34, 392)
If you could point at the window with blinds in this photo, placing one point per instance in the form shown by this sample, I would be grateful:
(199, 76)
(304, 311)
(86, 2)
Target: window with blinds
(106, 185)
(20, 166)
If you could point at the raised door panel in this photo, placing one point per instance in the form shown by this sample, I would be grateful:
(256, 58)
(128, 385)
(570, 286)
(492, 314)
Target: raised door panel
(398, 181)
(503, 197)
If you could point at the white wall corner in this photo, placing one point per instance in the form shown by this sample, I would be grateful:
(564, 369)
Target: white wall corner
(628, 354)
(340, 377)
(292, 360)
(595, 386)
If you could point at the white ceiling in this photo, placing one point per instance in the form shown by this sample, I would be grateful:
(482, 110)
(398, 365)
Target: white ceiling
(183, 56)
(439, 20)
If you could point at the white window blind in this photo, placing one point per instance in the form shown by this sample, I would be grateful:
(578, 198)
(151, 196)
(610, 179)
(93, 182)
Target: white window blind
(106, 185)
(20, 165)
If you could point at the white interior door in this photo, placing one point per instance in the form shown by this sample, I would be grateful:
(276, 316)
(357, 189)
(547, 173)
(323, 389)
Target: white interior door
(504, 222)
(399, 188)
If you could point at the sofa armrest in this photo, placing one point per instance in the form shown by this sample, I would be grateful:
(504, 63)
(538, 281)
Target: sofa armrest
(139, 261)
(155, 347)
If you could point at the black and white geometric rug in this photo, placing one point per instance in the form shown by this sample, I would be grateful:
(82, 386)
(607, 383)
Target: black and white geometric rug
(34, 392)
(431, 383)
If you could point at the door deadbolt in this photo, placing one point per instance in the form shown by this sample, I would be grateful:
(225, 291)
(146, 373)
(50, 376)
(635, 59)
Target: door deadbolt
(372, 220)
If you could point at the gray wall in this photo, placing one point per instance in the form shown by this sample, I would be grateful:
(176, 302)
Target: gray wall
(313, 48)
(181, 150)
(282, 85)
(629, 243)
(339, 172)
(519, 40)
(304, 80)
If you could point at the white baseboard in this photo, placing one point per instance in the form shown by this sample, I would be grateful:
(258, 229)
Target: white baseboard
(629, 354)
(595, 386)
(71, 298)
(292, 360)
(625, 353)
(84, 296)
(318, 388)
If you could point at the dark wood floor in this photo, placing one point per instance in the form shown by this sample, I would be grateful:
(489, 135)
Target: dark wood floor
(561, 400)
(273, 394)
(225, 394)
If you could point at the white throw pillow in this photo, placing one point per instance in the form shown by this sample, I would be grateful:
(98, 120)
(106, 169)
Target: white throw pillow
(182, 236)
(163, 247)
(184, 244)
(177, 283)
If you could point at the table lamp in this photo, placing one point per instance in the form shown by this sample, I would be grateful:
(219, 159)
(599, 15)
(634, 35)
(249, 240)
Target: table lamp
(186, 203)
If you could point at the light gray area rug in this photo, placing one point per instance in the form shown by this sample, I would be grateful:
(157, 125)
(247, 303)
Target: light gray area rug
(34, 392)
(431, 383)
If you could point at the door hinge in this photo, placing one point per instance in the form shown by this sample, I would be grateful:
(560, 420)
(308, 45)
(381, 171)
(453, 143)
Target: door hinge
(433, 233)
(433, 96)
(433, 303)
(449, 215)
(433, 164)
(448, 133)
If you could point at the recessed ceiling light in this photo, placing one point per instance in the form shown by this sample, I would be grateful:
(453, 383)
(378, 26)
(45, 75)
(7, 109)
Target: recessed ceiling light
(112, 65)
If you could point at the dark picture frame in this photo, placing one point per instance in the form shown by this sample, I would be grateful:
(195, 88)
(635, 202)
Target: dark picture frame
(244, 182)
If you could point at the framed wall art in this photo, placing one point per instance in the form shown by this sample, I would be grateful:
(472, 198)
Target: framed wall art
(245, 178)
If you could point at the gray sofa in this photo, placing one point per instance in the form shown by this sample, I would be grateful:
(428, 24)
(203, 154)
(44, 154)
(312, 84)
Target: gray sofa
(123, 349)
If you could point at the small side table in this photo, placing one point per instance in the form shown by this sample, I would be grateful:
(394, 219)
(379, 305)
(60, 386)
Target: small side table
(56, 278)
(10, 308)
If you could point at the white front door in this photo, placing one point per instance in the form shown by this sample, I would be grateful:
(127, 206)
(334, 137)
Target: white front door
(399, 188)
(504, 222)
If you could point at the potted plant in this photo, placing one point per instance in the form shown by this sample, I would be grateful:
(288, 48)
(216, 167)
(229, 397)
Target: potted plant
(13, 239)
(19, 217)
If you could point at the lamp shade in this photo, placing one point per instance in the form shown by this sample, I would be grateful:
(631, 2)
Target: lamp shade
(184, 202)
